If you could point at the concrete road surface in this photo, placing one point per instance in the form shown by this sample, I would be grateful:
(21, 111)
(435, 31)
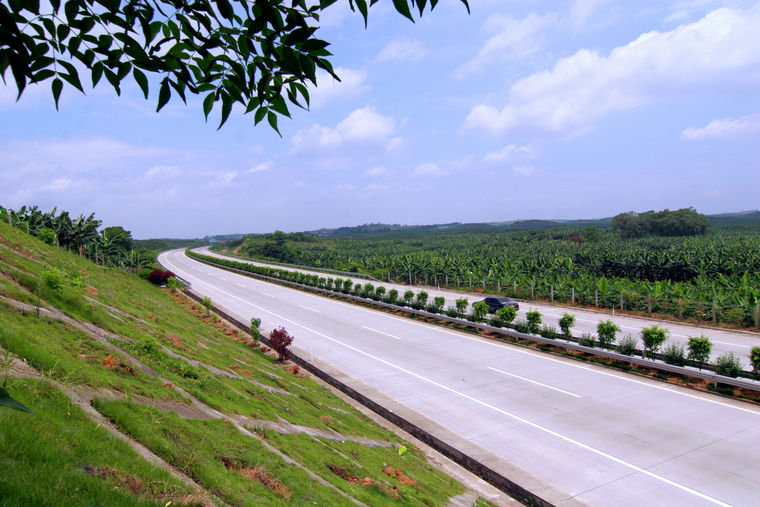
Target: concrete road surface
(738, 342)
(570, 432)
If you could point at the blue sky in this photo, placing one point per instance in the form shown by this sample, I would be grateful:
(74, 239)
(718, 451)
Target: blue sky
(573, 109)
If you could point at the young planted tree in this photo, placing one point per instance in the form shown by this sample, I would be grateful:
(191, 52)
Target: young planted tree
(506, 315)
(566, 323)
(653, 337)
(280, 340)
(699, 350)
(368, 290)
(207, 305)
(173, 284)
(534, 321)
(479, 311)
(409, 297)
(254, 329)
(462, 304)
(379, 293)
(606, 330)
(420, 300)
(347, 283)
(754, 359)
(393, 296)
(437, 306)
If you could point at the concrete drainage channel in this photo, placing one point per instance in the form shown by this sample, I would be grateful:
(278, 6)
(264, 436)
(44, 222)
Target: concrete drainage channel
(686, 371)
(467, 462)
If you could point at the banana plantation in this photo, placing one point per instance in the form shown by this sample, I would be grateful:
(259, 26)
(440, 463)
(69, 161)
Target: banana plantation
(715, 277)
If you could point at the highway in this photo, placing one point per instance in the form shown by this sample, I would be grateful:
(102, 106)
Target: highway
(724, 340)
(570, 432)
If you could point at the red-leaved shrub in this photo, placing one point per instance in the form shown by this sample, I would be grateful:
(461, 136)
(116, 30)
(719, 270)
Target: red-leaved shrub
(280, 341)
(159, 277)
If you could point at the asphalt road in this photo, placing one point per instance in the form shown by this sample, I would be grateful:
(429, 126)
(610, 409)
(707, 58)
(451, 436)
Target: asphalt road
(738, 342)
(570, 432)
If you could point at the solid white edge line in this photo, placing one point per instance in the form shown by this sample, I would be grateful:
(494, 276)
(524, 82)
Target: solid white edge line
(485, 404)
(534, 382)
(508, 346)
(381, 332)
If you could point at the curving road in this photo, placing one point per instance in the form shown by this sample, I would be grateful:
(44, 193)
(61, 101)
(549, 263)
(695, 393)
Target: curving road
(724, 340)
(570, 432)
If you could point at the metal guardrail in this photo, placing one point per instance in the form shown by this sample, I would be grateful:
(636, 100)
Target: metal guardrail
(648, 363)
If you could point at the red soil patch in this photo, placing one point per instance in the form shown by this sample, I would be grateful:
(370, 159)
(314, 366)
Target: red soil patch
(168, 386)
(399, 475)
(92, 291)
(239, 369)
(259, 474)
(152, 318)
(112, 363)
(177, 342)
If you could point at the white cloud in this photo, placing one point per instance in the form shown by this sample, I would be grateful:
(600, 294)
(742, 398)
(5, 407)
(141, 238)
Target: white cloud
(352, 84)
(402, 50)
(375, 171)
(345, 187)
(721, 49)
(162, 170)
(524, 170)
(264, 166)
(363, 126)
(724, 128)
(513, 38)
(427, 169)
(509, 152)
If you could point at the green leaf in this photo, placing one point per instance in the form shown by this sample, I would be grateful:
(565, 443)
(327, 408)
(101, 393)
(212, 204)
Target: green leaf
(57, 86)
(208, 103)
(141, 80)
(7, 401)
(278, 104)
(272, 119)
(403, 8)
(97, 73)
(163, 94)
(260, 114)
(71, 9)
(226, 108)
(225, 9)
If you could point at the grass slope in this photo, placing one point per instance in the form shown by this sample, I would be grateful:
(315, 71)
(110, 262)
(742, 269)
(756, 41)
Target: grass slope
(211, 404)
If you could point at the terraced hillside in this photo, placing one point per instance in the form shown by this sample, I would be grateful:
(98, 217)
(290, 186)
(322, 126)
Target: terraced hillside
(139, 397)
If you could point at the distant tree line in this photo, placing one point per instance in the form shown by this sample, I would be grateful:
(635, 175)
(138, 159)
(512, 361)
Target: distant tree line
(112, 246)
(683, 222)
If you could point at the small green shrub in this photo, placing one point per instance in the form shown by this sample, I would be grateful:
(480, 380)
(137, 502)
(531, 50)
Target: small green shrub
(254, 329)
(479, 311)
(506, 315)
(606, 330)
(653, 337)
(521, 326)
(421, 298)
(452, 312)
(549, 332)
(462, 305)
(566, 323)
(674, 354)
(754, 359)
(728, 365)
(54, 279)
(379, 293)
(628, 346)
(408, 297)
(207, 304)
(437, 306)
(144, 273)
(173, 284)
(699, 350)
(392, 296)
(587, 340)
(47, 235)
(368, 290)
(534, 321)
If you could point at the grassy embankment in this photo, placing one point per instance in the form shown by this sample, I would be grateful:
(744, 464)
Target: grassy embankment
(116, 369)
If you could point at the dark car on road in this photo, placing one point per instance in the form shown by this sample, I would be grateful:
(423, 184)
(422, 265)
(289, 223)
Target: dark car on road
(497, 302)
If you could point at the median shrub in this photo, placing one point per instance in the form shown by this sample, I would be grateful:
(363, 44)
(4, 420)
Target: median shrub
(379, 293)
(505, 316)
(521, 326)
(368, 290)
(566, 323)
(549, 332)
(392, 296)
(534, 321)
(420, 300)
(437, 306)
(728, 365)
(606, 331)
(479, 311)
(754, 359)
(674, 354)
(699, 350)
(587, 340)
(462, 305)
(653, 337)
(408, 297)
(628, 346)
